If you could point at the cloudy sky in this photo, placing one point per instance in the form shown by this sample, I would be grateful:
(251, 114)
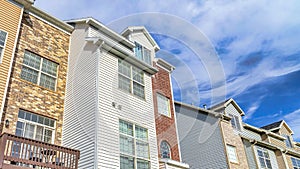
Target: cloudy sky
(247, 50)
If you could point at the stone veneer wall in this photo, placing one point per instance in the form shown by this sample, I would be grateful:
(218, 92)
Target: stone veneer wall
(165, 126)
(51, 43)
(234, 140)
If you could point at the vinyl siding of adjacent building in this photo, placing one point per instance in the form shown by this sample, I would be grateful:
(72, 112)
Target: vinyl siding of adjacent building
(92, 90)
(200, 139)
(10, 21)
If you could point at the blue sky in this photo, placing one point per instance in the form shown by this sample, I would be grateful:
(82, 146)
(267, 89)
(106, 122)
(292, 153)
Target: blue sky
(247, 50)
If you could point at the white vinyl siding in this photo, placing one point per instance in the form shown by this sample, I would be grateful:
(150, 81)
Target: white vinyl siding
(163, 105)
(39, 70)
(131, 79)
(231, 153)
(3, 36)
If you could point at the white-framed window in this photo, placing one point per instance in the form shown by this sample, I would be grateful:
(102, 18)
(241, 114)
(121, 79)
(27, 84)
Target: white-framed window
(131, 79)
(35, 127)
(142, 53)
(235, 122)
(263, 158)
(134, 146)
(3, 36)
(165, 150)
(163, 105)
(231, 153)
(39, 70)
(296, 163)
(288, 141)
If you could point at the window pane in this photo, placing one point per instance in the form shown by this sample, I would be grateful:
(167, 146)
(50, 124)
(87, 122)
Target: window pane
(124, 83)
(48, 136)
(262, 162)
(142, 164)
(39, 133)
(126, 145)
(41, 119)
(28, 116)
(124, 68)
(1, 49)
(142, 149)
(165, 150)
(126, 162)
(147, 56)
(21, 114)
(29, 74)
(2, 38)
(34, 118)
(47, 81)
(29, 131)
(231, 151)
(268, 162)
(20, 129)
(138, 90)
(125, 128)
(32, 60)
(52, 123)
(138, 75)
(49, 67)
(163, 105)
(138, 50)
(260, 153)
(141, 133)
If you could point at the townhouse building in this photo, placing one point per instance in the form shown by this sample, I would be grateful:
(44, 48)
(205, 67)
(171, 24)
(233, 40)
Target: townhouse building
(34, 59)
(165, 118)
(227, 142)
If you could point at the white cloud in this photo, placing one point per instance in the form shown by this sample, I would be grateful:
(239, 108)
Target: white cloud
(293, 121)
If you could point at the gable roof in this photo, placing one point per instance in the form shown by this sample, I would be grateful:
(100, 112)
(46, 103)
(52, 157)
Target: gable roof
(225, 103)
(276, 126)
(132, 29)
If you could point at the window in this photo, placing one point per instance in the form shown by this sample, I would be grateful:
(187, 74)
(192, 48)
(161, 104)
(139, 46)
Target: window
(288, 141)
(165, 150)
(134, 146)
(39, 70)
(264, 158)
(163, 105)
(296, 163)
(235, 122)
(142, 53)
(231, 152)
(3, 36)
(35, 127)
(131, 79)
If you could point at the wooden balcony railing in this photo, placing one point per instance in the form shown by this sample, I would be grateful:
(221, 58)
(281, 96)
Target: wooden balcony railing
(20, 151)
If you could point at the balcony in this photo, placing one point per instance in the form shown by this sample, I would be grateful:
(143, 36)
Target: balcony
(21, 153)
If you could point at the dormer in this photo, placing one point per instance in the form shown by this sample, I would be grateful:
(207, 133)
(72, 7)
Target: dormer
(232, 109)
(145, 46)
(281, 128)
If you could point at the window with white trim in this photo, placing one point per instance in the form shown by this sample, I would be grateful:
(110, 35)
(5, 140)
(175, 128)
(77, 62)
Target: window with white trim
(3, 36)
(235, 122)
(131, 79)
(134, 146)
(288, 141)
(264, 158)
(39, 70)
(35, 127)
(296, 163)
(231, 153)
(165, 150)
(142, 53)
(163, 105)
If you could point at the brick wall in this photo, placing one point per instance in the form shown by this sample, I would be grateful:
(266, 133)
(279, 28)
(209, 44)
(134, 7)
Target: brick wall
(47, 41)
(165, 126)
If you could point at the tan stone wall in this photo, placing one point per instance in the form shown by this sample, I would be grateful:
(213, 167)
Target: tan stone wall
(48, 42)
(234, 140)
(9, 19)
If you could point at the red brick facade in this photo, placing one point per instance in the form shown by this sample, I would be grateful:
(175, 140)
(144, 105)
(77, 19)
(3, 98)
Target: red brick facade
(165, 126)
